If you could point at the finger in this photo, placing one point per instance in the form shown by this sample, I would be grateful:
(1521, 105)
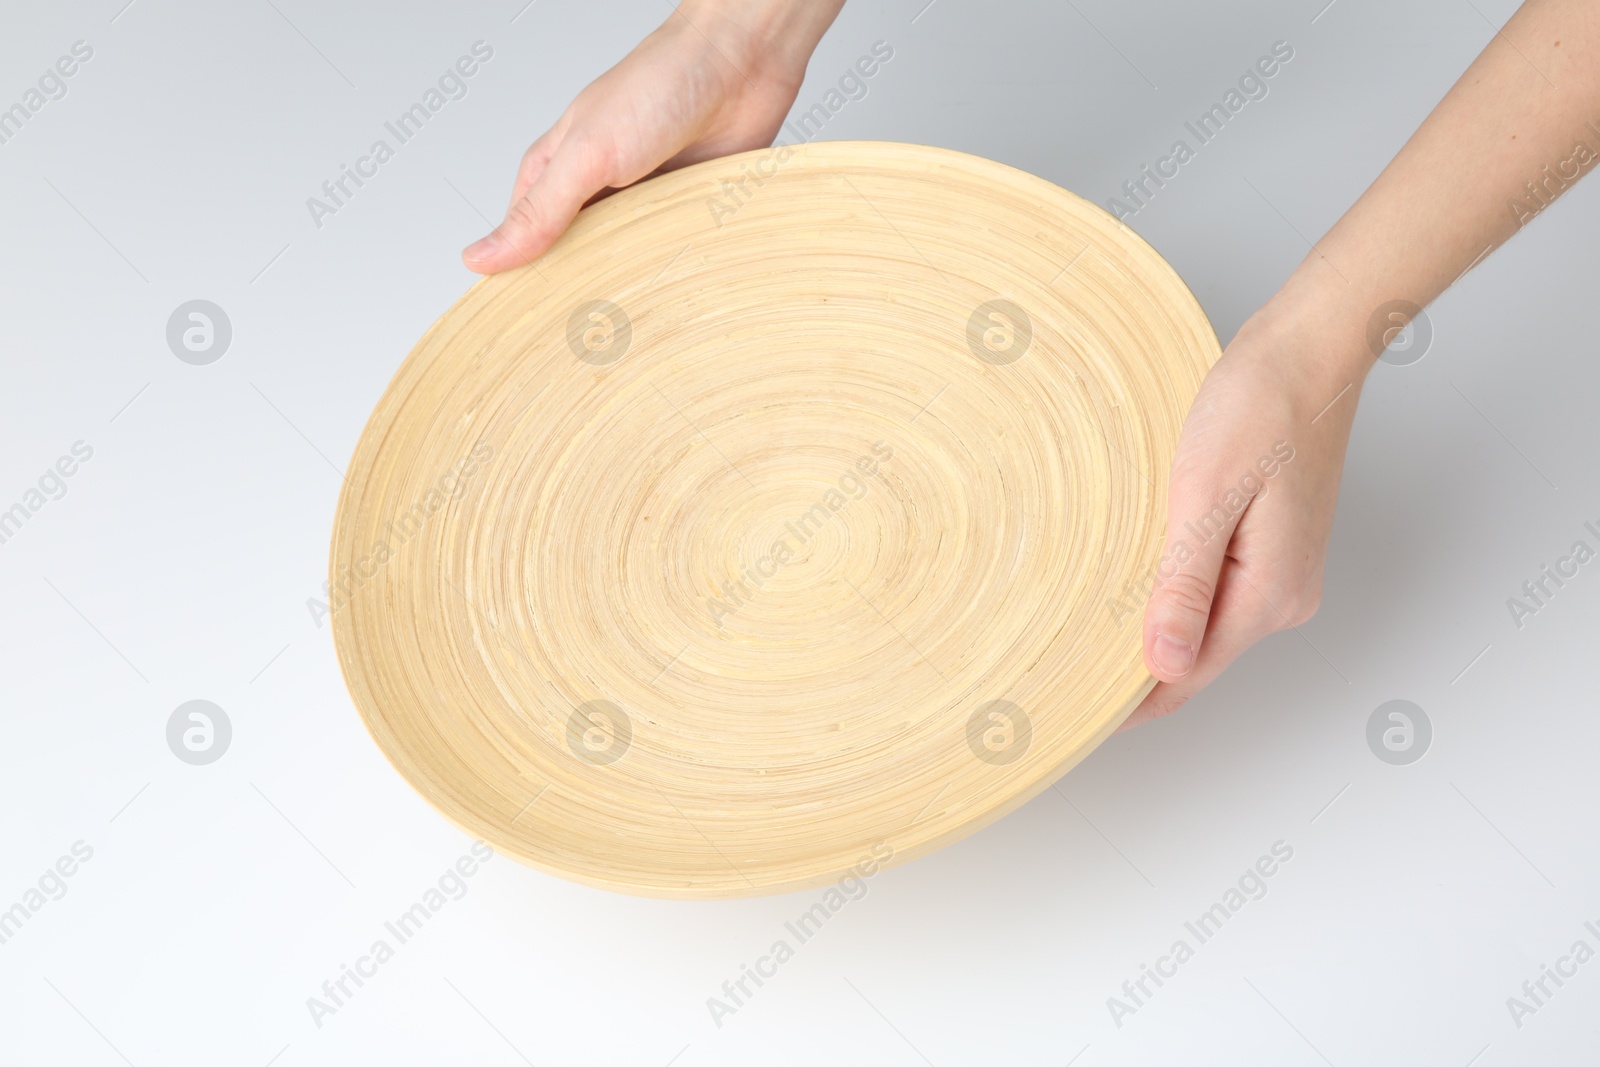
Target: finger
(1201, 519)
(1240, 616)
(535, 219)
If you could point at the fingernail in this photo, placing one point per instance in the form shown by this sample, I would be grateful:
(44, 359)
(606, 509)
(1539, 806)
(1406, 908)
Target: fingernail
(484, 247)
(1173, 656)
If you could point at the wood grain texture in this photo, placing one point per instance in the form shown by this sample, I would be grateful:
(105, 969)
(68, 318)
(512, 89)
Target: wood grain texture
(720, 551)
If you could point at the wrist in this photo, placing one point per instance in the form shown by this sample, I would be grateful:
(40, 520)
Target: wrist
(1318, 323)
(769, 41)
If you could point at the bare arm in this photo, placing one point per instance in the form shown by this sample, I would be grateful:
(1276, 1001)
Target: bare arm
(1517, 129)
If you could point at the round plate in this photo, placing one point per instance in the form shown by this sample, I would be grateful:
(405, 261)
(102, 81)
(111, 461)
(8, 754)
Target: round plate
(789, 517)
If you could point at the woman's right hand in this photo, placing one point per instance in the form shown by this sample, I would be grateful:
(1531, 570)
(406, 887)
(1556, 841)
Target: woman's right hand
(716, 78)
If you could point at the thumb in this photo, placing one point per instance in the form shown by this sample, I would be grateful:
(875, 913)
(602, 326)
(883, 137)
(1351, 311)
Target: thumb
(1201, 519)
(542, 213)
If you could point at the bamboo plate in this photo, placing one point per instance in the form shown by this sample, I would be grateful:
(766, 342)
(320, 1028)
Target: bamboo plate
(772, 525)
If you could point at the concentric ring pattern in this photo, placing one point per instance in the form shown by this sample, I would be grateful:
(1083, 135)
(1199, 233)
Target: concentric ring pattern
(773, 522)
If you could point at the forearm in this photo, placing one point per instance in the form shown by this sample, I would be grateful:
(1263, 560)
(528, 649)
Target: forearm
(1520, 126)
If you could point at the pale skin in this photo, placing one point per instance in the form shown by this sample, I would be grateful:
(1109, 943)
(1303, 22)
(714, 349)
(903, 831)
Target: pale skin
(719, 76)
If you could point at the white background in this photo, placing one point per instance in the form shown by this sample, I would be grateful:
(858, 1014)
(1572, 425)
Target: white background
(178, 565)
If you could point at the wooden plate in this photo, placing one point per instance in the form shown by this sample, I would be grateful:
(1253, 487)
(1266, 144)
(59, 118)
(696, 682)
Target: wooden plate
(786, 518)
